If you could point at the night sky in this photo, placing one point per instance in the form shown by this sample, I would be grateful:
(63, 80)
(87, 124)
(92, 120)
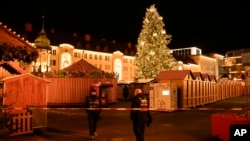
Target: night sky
(212, 25)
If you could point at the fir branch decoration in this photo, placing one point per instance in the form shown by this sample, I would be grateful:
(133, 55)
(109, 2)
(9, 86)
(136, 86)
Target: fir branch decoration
(20, 53)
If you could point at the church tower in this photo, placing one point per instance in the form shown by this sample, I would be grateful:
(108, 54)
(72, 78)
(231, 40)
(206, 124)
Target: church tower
(42, 43)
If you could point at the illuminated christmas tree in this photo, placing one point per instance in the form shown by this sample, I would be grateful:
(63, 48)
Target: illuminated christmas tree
(153, 55)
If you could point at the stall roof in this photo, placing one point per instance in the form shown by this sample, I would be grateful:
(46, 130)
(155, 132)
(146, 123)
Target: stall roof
(82, 66)
(8, 78)
(196, 74)
(12, 39)
(174, 74)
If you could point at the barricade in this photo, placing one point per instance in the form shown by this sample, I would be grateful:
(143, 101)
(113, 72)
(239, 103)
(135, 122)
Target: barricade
(221, 124)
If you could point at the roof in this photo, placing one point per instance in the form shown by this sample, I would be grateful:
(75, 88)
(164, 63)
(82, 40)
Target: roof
(82, 66)
(12, 46)
(9, 78)
(196, 74)
(205, 76)
(7, 36)
(174, 74)
(212, 77)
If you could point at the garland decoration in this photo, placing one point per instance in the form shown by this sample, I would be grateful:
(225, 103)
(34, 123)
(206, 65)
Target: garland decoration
(20, 53)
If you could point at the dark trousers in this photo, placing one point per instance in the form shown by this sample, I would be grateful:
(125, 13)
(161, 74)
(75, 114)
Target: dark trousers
(92, 122)
(139, 128)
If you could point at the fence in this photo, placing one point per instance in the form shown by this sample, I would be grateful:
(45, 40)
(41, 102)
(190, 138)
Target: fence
(22, 124)
(194, 93)
(73, 91)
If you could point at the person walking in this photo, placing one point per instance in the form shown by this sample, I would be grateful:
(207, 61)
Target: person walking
(93, 101)
(125, 92)
(140, 118)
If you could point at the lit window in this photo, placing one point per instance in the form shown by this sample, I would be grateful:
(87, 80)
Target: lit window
(75, 54)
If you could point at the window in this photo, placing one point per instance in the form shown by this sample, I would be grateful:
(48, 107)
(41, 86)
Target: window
(97, 48)
(95, 57)
(53, 52)
(100, 57)
(238, 61)
(85, 55)
(188, 52)
(75, 54)
(90, 56)
(125, 68)
(87, 46)
(78, 45)
(237, 53)
(53, 62)
(125, 60)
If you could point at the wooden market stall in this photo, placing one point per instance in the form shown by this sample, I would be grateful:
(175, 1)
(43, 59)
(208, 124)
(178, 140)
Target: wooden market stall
(179, 77)
(26, 94)
(14, 51)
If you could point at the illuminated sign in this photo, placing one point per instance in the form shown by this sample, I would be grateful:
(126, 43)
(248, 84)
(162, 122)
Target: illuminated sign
(165, 92)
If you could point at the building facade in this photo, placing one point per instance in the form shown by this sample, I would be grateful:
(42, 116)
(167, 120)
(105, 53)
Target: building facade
(108, 56)
(231, 65)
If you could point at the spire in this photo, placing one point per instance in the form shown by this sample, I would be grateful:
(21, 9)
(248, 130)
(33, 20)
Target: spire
(42, 41)
(43, 31)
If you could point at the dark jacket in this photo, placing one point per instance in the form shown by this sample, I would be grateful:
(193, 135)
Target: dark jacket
(140, 116)
(93, 102)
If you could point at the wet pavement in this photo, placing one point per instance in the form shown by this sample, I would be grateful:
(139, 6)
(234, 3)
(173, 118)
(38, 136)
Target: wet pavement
(115, 125)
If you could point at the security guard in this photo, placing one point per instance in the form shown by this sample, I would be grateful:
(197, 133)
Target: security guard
(140, 118)
(93, 101)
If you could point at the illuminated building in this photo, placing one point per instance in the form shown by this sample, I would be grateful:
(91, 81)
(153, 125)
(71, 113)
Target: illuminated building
(231, 66)
(108, 56)
(191, 58)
